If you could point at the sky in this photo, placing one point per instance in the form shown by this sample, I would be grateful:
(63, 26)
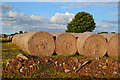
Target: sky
(60, 0)
(54, 16)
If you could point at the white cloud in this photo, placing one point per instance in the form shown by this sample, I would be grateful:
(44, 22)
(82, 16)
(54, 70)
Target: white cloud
(5, 8)
(62, 18)
(111, 21)
(15, 14)
(33, 17)
(106, 28)
(20, 21)
(5, 24)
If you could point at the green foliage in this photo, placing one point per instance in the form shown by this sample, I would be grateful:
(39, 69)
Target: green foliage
(16, 33)
(25, 32)
(112, 32)
(103, 32)
(82, 22)
(20, 32)
(12, 34)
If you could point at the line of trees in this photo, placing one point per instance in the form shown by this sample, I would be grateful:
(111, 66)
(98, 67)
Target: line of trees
(20, 32)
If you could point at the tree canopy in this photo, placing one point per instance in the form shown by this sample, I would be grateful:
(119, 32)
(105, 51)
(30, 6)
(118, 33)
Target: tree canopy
(82, 22)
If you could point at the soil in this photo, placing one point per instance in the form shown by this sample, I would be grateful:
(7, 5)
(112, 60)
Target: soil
(99, 67)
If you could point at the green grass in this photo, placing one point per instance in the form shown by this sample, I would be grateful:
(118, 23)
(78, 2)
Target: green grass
(9, 51)
(47, 74)
(51, 74)
(3, 38)
(111, 58)
(8, 46)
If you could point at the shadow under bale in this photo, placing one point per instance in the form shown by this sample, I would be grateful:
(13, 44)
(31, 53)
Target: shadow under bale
(4, 41)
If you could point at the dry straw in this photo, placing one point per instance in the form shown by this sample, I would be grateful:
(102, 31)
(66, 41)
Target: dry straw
(113, 44)
(76, 34)
(9, 38)
(65, 44)
(37, 43)
(91, 45)
(56, 33)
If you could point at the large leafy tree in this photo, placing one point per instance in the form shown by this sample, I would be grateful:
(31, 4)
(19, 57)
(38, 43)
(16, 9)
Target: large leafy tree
(82, 22)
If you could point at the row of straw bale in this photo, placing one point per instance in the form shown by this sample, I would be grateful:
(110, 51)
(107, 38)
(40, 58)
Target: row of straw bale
(10, 37)
(113, 47)
(2, 35)
(39, 43)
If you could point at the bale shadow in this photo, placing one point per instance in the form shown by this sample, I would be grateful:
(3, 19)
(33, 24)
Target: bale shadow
(4, 41)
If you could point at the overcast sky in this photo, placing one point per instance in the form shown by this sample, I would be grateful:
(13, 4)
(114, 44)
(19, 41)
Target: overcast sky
(54, 16)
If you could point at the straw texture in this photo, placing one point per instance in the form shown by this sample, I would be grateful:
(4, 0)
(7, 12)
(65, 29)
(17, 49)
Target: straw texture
(37, 43)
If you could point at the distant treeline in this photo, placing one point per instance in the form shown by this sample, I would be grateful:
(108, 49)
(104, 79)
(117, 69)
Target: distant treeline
(105, 32)
(20, 32)
(5, 35)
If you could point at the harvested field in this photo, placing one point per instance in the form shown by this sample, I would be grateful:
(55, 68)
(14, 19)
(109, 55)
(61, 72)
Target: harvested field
(99, 68)
(16, 64)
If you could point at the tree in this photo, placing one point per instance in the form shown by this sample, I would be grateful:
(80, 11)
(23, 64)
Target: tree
(112, 32)
(12, 34)
(103, 33)
(16, 33)
(82, 22)
(20, 32)
(25, 32)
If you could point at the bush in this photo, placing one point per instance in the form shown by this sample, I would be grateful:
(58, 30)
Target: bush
(103, 32)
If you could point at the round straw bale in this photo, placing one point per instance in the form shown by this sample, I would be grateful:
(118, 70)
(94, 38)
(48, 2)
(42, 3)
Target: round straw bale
(65, 44)
(56, 33)
(76, 34)
(114, 46)
(9, 38)
(91, 45)
(14, 38)
(107, 36)
(37, 43)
